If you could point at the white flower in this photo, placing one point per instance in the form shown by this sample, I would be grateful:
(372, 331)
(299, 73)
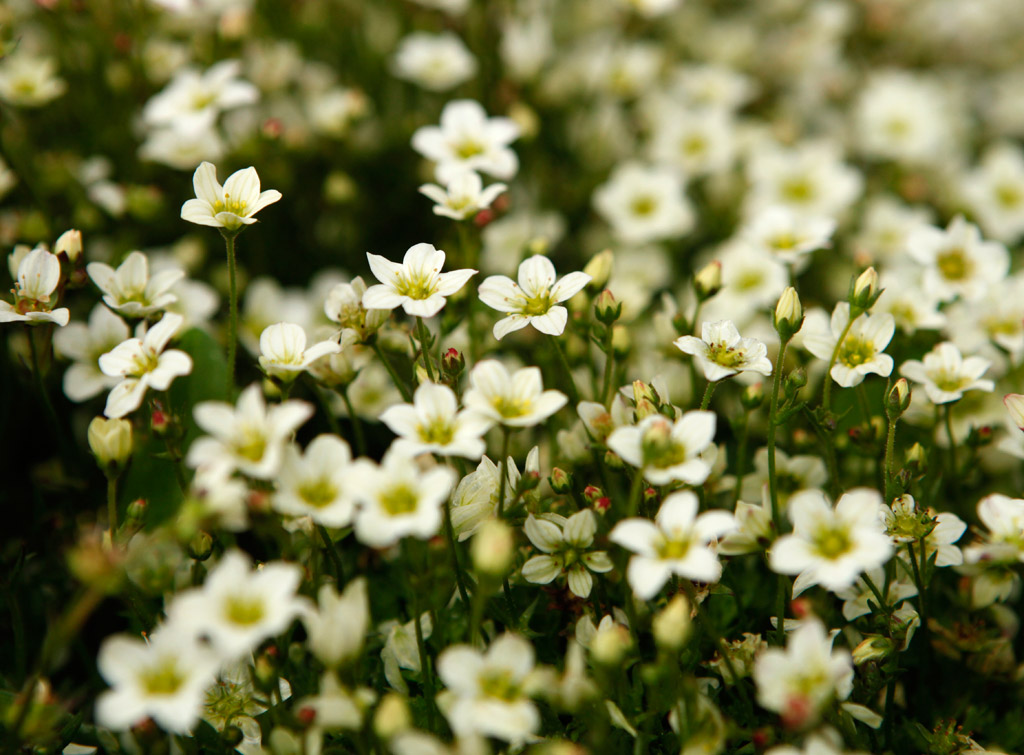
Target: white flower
(801, 680)
(792, 474)
(283, 352)
(751, 281)
(131, 290)
(29, 81)
(468, 140)
(490, 689)
(755, 529)
(463, 196)
(230, 206)
(344, 305)
(650, 8)
(37, 279)
(433, 424)
(722, 353)
(517, 400)
(316, 484)
(142, 363)
(667, 450)
(566, 545)
(164, 679)
(194, 97)
(1004, 542)
(902, 117)
(995, 192)
(475, 499)
(220, 498)
(856, 597)
(945, 374)
(957, 262)
(810, 179)
(911, 306)
(861, 351)
(185, 146)
(238, 607)
(248, 437)
(644, 204)
(696, 141)
(534, 300)
(832, 546)
(788, 235)
(434, 61)
(398, 499)
(400, 649)
(675, 543)
(417, 284)
(337, 628)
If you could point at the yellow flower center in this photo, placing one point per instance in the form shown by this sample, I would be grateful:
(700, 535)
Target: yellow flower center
(512, 407)
(234, 206)
(954, 265)
(1008, 195)
(726, 356)
(399, 499)
(673, 548)
(832, 542)
(643, 206)
(436, 431)
(539, 304)
(856, 351)
(145, 361)
(500, 684)
(749, 279)
(162, 678)
(469, 148)
(244, 610)
(798, 189)
(415, 286)
(251, 444)
(948, 381)
(694, 145)
(318, 493)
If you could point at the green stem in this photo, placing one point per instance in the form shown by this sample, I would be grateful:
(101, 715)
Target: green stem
(890, 454)
(918, 578)
(609, 368)
(424, 338)
(741, 457)
(399, 383)
(357, 424)
(332, 553)
(716, 638)
(229, 242)
(574, 395)
(708, 392)
(781, 591)
(112, 505)
(954, 475)
(773, 488)
(449, 532)
(503, 470)
(827, 394)
(425, 668)
(882, 604)
(635, 491)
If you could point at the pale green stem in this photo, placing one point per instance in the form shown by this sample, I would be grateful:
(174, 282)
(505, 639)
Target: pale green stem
(827, 393)
(708, 393)
(399, 383)
(574, 395)
(229, 242)
(424, 338)
(112, 505)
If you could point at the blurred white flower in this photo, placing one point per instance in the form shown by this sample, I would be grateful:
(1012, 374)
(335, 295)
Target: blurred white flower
(316, 484)
(809, 179)
(344, 305)
(945, 374)
(463, 196)
(416, 284)
(29, 81)
(957, 262)
(475, 499)
(131, 290)
(468, 140)
(400, 650)
(434, 424)
(194, 97)
(696, 141)
(337, 627)
(183, 147)
(84, 345)
(513, 400)
(644, 204)
(437, 62)
(994, 192)
(534, 300)
(230, 206)
(283, 352)
(1003, 543)
(788, 235)
(900, 116)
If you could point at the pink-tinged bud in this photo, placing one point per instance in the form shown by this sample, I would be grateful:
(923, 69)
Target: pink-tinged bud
(801, 608)
(606, 309)
(591, 493)
(602, 504)
(561, 481)
(453, 363)
(483, 218)
(306, 715)
(898, 399)
(1014, 403)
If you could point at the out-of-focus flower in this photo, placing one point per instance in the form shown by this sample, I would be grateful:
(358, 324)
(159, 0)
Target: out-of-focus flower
(945, 374)
(337, 626)
(316, 484)
(29, 81)
(37, 278)
(463, 196)
(667, 450)
(131, 290)
(283, 352)
(644, 204)
(434, 61)
(468, 140)
(194, 97)
(344, 305)
(957, 262)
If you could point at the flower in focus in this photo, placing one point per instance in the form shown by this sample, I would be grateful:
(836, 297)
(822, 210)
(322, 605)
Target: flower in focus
(344, 305)
(417, 284)
(475, 500)
(945, 374)
(433, 424)
(468, 140)
(142, 363)
(861, 350)
(517, 400)
(283, 352)
(131, 290)
(37, 279)
(566, 546)
(534, 300)
(229, 206)
(463, 196)
(722, 353)
(675, 543)
(667, 450)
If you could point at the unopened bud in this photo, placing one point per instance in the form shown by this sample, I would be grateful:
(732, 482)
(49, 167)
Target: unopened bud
(1014, 403)
(599, 269)
(789, 314)
(591, 493)
(872, 648)
(651, 497)
(864, 291)
(752, 397)
(610, 645)
(392, 716)
(493, 549)
(672, 625)
(898, 399)
(613, 461)
(69, 243)
(606, 309)
(200, 546)
(642, 391)
(645, 409)
(561, 481)
(527, 482)
(111, 443)
(621, 341)
(452, 363)
(917, 460)
(708, 281)
(795, 380)
(160, 422)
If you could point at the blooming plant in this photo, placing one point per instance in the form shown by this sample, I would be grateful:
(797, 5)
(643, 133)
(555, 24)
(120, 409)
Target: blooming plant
(615, 376)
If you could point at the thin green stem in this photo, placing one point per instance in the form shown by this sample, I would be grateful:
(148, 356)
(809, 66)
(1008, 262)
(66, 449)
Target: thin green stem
(425, 666)
(424, 338)
(954, 472)
(399, 383)
(890, 454)
(229, 242)
(112, 505)
(449, 532)
(773, 488)
(357, 424)
(708, 393)
(918, 579)
(882, 604)
(827, 391)
(332, 553)
(574, 395)
(635, 491)
(503, 469)
(741, 457)
(609, 368)
(716, 638)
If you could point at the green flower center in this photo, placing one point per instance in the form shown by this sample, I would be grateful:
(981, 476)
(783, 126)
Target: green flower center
(856, 351)
(251, 445)
(954, 265)
(415, 287)
(726, 356)
(798, 189)
(437, 431)
(512, 407)
(399, 499)
(501, 685)
(643, 206)
(1008, 195)
(784, 242)
(694, 145)
(832, 542)
(163, 678)
(318, 493)
(662, 452)
(244, 610)
(145, 361)
(469, 148)
(673, 548)
(949, 382)
(539, 304)
(749, 279)
(234, 206)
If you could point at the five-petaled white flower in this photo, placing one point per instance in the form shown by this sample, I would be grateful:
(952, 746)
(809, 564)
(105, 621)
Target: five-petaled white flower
(517, 400)
(861, 351)
(722, 353)
(667, 450)
(230, 206)
(315, 483)
(248, 437)
(534, 300)
(434, 424)
(830, 546)
(787, 234)
(566, 548)
(945, 374)
(85, 344)
(468, 140)
(462, 196)
(283, 352)
(417, 284)
(957, 262)
(131, 290)
(676, 542)
(37, 278)
(142, 363)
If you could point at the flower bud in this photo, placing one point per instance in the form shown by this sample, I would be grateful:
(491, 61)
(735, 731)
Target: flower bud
(795, 380)
(69, 243)
(111, 443)
(917, 459)
(610, 645)
(642, 391)
(452, 363)
(621, 341)
(493, 549)
(1014, 403)
(599, 269)
(592, 493)
(864, 291)
(872, 648)
(752, 397)
(606, 309)
(898, 399)
(708, 281)
(789, 314)
(561, 481)
(671, 626)
(392, 716)
(200, 546)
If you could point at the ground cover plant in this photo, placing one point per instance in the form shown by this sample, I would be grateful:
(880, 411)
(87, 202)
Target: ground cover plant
(549, 376)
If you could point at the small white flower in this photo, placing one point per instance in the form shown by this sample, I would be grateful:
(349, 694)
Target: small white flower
(337, 628)
(957, 262)
(676, 542)
(142, 363)
(164, 678)
(400, 650)
(238, 607)
(283, 352)
(788, 235)
(945, 374)
(194, 97)
(566, 546)
(1004, 541)
(810, 179)
(751, 281)
(433, 424)
(344, 305)
(248, 437)
(230, 206)
(398, 500)
(902, 117)
(183, 147)
(722, 353)
(316, 484)
(534, 300)
(475, 499)
(463, 196)
(490, 689)
(417, 284)
(644, 204)
(434, 61)
(861, 351)
(801, 680)
(131, 290)
(755, 529)
(220, 498)
(37, 279)
(832, 546)
(995, 192)
(667, 450)
(517, 400)
(30, 81)
(468, 140)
